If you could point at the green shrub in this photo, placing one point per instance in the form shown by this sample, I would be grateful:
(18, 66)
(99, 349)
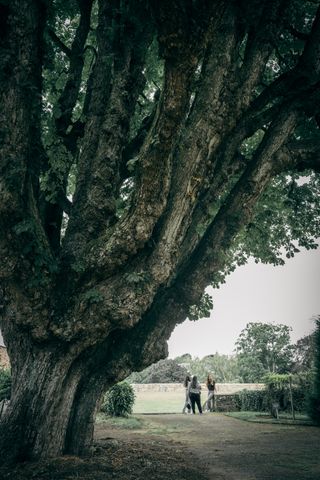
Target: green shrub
(119, 400)
(251, 400)
(5, 384)
(301, 393)
(278, 391)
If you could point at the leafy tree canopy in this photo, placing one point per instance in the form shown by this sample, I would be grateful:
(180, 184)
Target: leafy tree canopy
(264, 348)
(164, 371)
(223, 368)
(304, 354)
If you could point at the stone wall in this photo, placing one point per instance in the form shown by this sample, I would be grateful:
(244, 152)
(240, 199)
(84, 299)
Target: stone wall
(4, 359)
(221, 388)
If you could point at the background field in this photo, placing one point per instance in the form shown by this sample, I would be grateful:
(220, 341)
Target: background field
(160, 402)
(169, 398)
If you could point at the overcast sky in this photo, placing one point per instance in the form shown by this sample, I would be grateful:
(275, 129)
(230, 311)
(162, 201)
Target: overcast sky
(254, 293)
(287, 294)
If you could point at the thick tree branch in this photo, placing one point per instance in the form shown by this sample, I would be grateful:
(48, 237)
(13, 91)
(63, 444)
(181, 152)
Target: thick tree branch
(203, 142)
(133, 148)
(20, 92)
(24, 250)
(214, 84)
(213, 112)
(238, 208)
(203, 123)
(108, 122)
(263, 30)
(53, 211)
(70, 92)
(154, 173)
(54, 37)
(299, 156)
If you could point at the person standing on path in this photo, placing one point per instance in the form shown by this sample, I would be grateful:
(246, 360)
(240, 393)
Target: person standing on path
(195, 394)
(211, 386)
(187, 403)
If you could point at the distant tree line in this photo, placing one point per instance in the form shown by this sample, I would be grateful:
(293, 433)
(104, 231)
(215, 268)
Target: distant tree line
(164, 371)
(260, 349)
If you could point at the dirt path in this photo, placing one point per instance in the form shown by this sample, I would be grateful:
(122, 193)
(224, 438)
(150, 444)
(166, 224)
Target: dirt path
(186, 447)
(225, 448)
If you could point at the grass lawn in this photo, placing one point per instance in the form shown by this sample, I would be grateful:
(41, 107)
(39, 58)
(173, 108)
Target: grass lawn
(263, 417)
(172, 402)
(160, 402)
(143, 424)
(127, 423)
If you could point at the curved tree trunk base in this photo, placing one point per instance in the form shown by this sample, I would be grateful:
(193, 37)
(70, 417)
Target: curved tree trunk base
(36, 421)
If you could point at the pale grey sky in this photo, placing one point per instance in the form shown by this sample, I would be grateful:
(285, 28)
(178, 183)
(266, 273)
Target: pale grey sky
(288, 294)
(254, 293)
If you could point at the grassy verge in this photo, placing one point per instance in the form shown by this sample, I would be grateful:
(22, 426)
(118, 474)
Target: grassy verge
(124, 423)
(262, 417)
(142, 424)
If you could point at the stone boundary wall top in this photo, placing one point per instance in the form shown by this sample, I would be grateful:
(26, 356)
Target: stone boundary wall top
(221, 388)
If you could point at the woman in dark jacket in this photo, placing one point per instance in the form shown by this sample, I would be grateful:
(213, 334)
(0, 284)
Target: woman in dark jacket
(195, 394)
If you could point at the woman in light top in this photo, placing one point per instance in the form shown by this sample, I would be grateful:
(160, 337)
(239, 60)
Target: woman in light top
(187, 403)
(195, 394)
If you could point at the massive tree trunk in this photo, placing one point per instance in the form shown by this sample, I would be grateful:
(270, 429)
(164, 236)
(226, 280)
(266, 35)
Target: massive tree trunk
(42, 397)
(92, 288)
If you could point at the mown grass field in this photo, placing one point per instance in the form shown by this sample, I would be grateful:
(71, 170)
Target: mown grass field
(173, 402)
(160, 402)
